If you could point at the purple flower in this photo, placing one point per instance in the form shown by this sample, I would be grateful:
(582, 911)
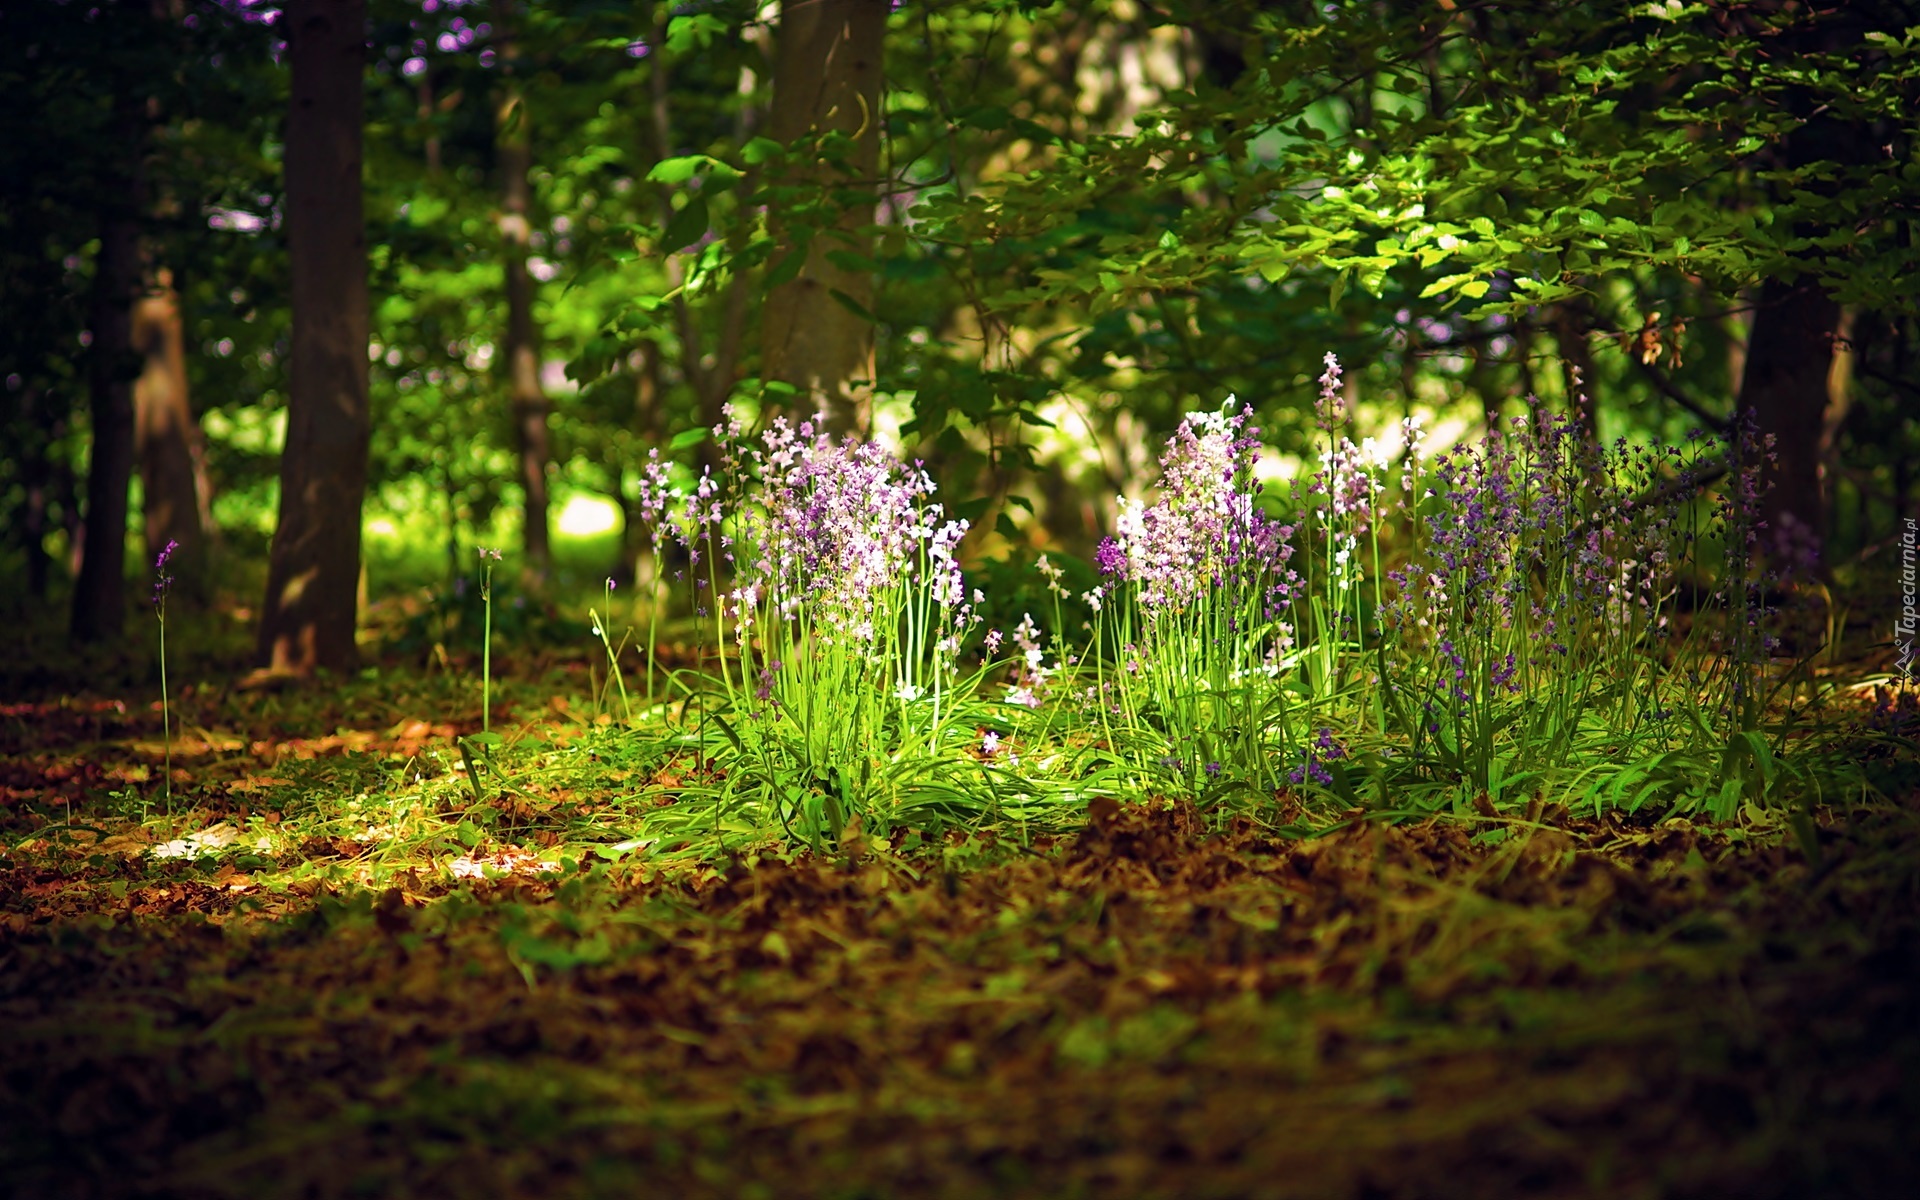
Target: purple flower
(836, 527)
(1325, 749)
(1206, 531)
(163, 582)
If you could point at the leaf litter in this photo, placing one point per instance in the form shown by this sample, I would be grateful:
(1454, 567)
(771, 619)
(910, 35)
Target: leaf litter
(1151, 1006)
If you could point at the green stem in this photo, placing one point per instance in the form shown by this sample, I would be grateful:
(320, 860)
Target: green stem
(486, 650)
(166, 718)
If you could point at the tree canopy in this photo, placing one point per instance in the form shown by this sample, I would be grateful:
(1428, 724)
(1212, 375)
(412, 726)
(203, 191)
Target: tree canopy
(1040, 232)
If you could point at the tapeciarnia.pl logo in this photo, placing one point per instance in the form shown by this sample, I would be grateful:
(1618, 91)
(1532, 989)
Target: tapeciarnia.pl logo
(1903, 629)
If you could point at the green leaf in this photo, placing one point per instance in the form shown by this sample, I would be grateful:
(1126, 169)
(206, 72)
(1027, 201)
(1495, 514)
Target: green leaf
(688, 225)
(761, 149)
(987, 116)
(710, 170)
(688, 438)
(676, 171)
(788, 268)
(721, 176)
(1449, 283)
(690, 33)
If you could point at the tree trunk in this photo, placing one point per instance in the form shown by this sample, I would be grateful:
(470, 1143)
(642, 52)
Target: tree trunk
(1573, 324)
(1790, 363)
(1797, 367)
(827, 74)
(173, 477)
(99, 594)
(307, 620)
(649, 425)
(36, 474)
(522, 351)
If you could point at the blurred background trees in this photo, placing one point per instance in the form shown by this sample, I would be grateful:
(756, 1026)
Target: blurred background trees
(1016, 239)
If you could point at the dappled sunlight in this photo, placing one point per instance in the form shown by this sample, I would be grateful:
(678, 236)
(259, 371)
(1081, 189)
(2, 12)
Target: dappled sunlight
(505, 861)
(587, 516)
(195, 845)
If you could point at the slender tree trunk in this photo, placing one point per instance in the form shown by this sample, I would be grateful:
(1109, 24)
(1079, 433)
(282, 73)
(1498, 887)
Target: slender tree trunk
(649, 424)
(36, 473)
(1797, 367)
(1523, 331)
(827, 73)
(522, 355)
(1790, 361)
(1483, 377)
(711, 378)
(425, 111)
(99, 594)
(660, 146)
(173, 479)
(307, 620)
(1573, 325)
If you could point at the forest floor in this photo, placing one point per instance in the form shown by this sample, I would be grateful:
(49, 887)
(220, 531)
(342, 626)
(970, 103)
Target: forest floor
(270, 993)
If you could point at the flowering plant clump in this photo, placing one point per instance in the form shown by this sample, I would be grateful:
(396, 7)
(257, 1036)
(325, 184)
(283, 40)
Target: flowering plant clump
(1527, 635)
(1341, 506)
(841, 607)
(1195, 610)
(1745, 644)
(1530, 616)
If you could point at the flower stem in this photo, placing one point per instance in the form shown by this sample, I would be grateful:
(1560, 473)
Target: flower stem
(166, 718)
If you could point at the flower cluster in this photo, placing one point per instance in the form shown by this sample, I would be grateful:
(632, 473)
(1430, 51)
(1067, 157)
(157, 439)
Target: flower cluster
(835, 526)
(1031, 673)
(163, 582)
(1324, 749)
(1206, 531)
(1537, 530)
